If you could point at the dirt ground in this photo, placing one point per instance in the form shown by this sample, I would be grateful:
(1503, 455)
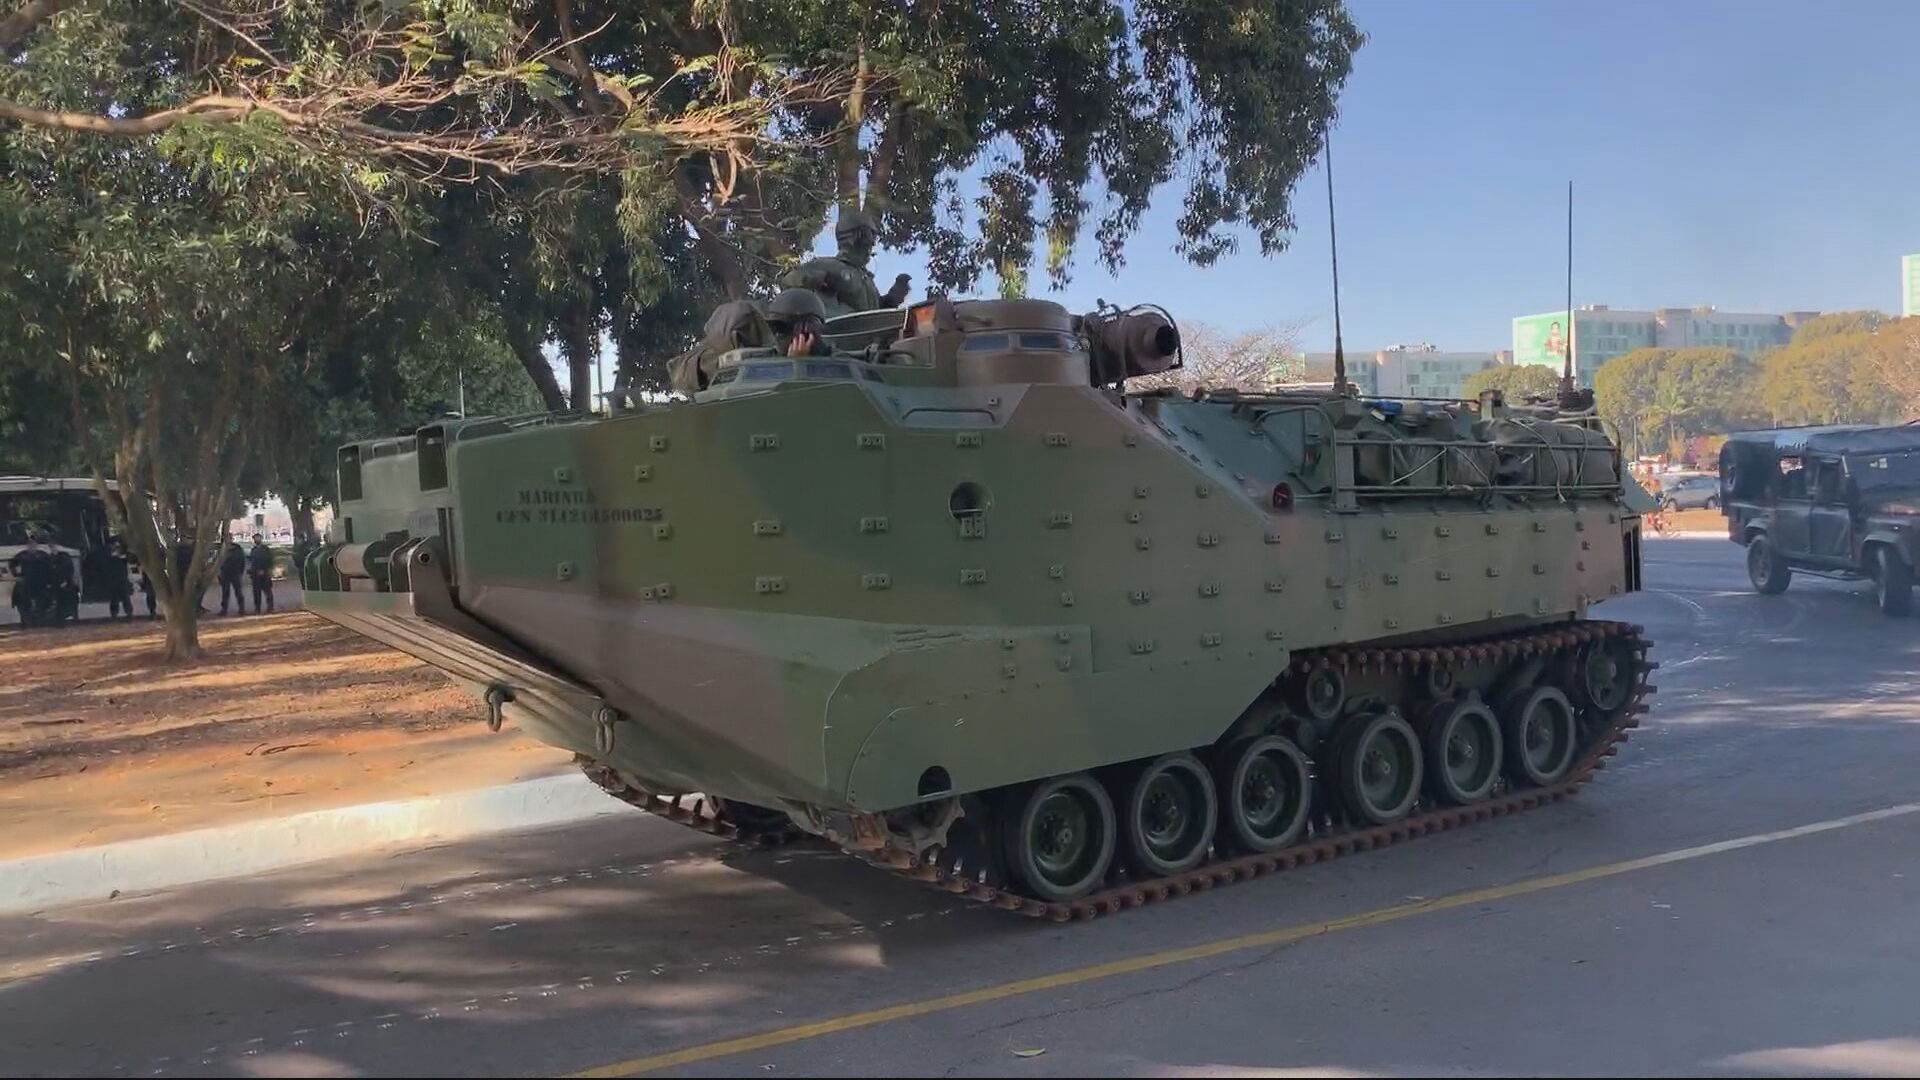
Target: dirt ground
(100, 741)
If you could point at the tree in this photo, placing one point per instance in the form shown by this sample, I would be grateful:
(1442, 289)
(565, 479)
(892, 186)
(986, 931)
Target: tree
(1702, 391)
(414, 89)
(638, 148)
(1667, 396)
(1837, 323)
(1214, 360)
(34, 437)
(1895, 358)
(1833, 378)
(169, 291)
(1516, 382)
(394, 103)
(1056, 102)
(1625, 389)
(162, 359)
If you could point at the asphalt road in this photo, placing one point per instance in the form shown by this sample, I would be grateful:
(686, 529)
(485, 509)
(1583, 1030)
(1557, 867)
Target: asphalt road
(1675, 918)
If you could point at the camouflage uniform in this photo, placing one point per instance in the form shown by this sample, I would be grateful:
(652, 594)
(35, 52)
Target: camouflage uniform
(842, 280)
(741, 324)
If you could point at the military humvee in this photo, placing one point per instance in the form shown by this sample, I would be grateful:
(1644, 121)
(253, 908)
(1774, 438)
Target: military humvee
(1838, 501)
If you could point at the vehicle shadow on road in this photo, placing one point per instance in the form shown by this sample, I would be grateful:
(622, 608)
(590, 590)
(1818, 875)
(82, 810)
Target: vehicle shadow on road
(359, 964)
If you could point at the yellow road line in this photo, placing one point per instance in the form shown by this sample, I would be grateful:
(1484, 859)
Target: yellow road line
(1262, 940)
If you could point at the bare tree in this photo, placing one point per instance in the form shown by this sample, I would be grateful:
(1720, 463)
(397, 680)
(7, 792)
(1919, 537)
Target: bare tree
(1216, 360)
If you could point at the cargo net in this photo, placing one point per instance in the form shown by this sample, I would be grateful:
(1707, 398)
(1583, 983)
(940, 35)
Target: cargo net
(1511, 455)
(1601, 726)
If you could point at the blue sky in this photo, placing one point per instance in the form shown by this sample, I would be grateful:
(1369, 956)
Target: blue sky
(1754, 156)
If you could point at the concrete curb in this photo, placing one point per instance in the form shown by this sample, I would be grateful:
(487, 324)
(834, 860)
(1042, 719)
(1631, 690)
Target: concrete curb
(160, 862)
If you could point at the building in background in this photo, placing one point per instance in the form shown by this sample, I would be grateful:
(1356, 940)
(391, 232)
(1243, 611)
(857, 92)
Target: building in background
(1425, 371)
(1361, 371)
(1909, 286)
(1408, 370)
(271, 518)
(1599, 333)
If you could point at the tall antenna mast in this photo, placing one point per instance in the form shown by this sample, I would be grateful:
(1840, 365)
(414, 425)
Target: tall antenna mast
(1566, 372)
(1340, 385)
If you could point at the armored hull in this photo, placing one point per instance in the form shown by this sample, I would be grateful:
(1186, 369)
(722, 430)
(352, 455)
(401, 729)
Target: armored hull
(961, 609)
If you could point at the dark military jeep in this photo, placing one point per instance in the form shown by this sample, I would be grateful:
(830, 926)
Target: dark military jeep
(1839, 501)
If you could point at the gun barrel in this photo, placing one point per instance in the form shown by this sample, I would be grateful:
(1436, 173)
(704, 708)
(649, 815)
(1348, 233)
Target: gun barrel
(1140, 343)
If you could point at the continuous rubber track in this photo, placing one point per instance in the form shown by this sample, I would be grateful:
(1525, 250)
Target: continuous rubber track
(1601, 736)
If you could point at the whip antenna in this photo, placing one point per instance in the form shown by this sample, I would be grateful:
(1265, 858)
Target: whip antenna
(1340, 385)
(1566, 371)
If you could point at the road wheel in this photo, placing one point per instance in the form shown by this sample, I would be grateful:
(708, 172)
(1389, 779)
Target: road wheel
(1894, 581)
(1540, 735)
(1712, 503)
(1059, 837)
(1463, 752)
(1168, 821)
(1769, 572)
(1322, 693)
(1603, 674)
(1380, 769)
(1265, 790)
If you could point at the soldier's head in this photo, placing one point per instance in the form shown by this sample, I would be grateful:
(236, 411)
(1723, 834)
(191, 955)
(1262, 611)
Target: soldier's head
(795, 312)
(856, 234)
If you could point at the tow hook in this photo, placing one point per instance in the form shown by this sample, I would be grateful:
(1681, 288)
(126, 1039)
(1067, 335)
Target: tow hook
(605, 719)
(497, 698)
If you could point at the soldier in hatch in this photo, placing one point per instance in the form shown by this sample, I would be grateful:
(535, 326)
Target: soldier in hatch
(842, 280)
(792, 324)
(799, 322)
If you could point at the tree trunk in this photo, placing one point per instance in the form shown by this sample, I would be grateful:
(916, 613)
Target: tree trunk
(622, 375)
(183, 632)
(580, 349)
(303, 533)
(526, 346)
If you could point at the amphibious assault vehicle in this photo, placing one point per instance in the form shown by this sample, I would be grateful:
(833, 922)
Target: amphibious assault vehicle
(954, 601)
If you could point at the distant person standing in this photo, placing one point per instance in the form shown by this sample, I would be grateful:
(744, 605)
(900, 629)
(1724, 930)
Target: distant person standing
(65, 582)
(119, 583)
(233, 563)
(260, 572)
(32, 570)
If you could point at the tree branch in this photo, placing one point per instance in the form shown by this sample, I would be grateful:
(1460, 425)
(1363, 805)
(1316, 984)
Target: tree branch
(15, 27)
(527, 348)
(854, 118)
(217, 109)
(884, 155)
(582, 72)
(721, 257)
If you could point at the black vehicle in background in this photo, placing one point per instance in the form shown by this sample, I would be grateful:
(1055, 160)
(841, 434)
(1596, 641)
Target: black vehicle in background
(70, 522)
(1840, 501)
